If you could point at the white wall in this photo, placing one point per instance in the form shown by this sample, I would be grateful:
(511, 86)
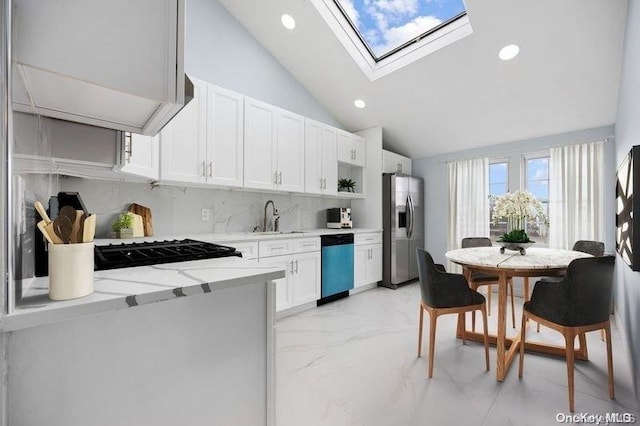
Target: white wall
(627, 282)
(218, 49)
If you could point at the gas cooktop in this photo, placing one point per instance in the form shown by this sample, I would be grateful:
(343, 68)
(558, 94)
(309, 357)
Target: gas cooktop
(123, 255)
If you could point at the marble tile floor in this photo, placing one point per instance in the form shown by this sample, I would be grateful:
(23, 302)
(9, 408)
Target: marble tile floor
(353, 362)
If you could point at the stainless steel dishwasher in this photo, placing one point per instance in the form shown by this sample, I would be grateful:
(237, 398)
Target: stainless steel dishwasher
(337, 267)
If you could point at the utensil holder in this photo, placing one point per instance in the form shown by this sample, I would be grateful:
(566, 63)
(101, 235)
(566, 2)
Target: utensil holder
(70, 270)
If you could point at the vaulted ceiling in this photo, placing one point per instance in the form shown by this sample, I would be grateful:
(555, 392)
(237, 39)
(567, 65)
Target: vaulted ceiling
(463, 96)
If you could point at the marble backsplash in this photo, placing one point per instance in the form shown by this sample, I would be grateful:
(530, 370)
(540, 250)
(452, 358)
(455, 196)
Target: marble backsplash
(177, 210)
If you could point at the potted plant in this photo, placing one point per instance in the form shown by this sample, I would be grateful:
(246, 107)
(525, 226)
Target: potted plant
(517, 208)
(123, 226)
(346, 185)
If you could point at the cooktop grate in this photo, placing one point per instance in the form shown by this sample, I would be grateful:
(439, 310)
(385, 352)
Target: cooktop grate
(123, 255)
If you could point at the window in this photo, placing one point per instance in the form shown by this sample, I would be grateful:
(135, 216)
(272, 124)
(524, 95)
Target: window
(498, 185)
(385, 27)
(537, 182)
(383, 36)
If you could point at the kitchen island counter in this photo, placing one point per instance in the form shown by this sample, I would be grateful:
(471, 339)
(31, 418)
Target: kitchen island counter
(153, 345)
(125, 288)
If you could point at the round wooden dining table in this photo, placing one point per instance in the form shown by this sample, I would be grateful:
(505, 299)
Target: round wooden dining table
(536, 262)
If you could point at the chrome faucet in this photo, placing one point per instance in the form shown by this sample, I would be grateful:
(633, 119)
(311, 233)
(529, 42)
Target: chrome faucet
(276, 217)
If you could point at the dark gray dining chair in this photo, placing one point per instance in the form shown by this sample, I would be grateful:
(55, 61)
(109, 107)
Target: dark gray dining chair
(478, 279)
(577, 304)
(444, 293)
(594, 248)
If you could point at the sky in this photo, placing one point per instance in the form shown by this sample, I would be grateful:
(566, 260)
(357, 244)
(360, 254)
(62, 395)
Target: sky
(537, 178)
(386, 24)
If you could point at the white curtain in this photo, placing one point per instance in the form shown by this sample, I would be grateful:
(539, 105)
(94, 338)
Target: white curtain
(468, 200)
(576, 204)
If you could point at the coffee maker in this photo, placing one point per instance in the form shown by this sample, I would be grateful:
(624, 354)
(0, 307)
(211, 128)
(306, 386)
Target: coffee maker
(339, 218)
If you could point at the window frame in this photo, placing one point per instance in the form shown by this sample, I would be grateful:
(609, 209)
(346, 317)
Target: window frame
(498, 160)
(524, 180)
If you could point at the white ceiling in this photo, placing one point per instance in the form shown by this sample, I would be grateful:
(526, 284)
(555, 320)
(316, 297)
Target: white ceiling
(461, 97)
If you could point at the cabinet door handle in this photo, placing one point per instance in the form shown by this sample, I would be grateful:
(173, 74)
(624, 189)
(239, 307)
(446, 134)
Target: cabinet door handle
(128, 147)
(399, 167)
(275, 176)
(204, 171)
(210, 168)
(355, 154)
(320, 183)
(292, 267)
(280, 178)
(324, 183)
(296, 266)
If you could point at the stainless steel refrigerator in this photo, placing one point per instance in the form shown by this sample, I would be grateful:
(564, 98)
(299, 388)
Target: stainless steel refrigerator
(403, 227)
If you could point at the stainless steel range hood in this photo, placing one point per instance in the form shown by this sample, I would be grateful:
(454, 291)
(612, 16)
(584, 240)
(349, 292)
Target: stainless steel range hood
(72, 63)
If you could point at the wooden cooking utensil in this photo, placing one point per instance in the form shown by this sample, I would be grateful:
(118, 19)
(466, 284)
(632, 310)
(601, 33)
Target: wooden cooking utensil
(51, 233)
(62, 227)
(69, 212)
(42, 212)
(80, 231)
(41, 227)
(89, 230)
(75, 225)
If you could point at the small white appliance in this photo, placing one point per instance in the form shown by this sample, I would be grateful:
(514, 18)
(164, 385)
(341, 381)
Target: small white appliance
(339, 218)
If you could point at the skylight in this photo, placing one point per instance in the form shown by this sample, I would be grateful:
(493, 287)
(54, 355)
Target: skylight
(386, 26)
(383, 36)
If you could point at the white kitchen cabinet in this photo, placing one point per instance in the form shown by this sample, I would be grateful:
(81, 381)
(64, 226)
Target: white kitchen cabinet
(395, 163)
(139, 155)
(351, 148)
(115, 64)
(203, 143)
(290, 152)
(183, 142)
(259, 145)
(225, 134)
(301, 259)
(368, 259)
(306, 277)
(249, 249)
(273, 148)
(284, 286)
(321, 161)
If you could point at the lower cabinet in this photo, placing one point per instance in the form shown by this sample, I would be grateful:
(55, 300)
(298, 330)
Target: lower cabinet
(301, 283)
(368, 259)
(306, 278)
(284, 286)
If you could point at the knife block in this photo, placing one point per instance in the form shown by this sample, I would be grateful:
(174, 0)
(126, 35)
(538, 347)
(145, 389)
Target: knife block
(70, 270)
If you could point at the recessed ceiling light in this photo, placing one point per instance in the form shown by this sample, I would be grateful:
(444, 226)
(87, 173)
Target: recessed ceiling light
(359, 103)
(288, 21)
(509, 52)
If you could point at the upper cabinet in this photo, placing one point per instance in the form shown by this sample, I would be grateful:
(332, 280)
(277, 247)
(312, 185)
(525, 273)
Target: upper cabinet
(351, 149)
(203, 143)
(273, 148)
(395, 163)
(320, 158)
(139, 155)
(115, 64)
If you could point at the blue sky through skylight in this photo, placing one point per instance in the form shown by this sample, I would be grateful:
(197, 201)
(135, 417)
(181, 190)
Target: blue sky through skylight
(387, 24)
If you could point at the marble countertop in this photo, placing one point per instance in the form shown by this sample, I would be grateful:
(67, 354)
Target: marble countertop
(240, 236)
(130, 287)
(536, 258)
